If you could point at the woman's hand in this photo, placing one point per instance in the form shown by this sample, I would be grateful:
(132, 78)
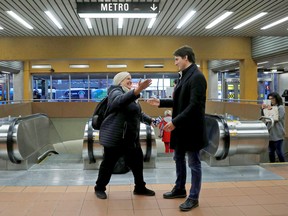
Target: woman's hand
(265, 106)
(142, 85)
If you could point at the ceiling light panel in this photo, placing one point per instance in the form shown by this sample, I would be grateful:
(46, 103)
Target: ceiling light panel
(275, 23)
(153, 66)
(151, 23)
(88, 23)
(120, 23)
(219, 19)
(44, 66)
(186, 19)
(250, 20)
(19, 19)
(54, 20)
(79, 66)
(116, 66)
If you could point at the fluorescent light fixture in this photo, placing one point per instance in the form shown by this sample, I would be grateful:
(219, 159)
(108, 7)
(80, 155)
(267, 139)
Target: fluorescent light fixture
(265, 62)
(54, 20)
(19, 19)
(280, 63)
(41, 66)
(185, 19)
(117, 15)
(4, 72)
(1, 28)
(88, 23)
(79, 66)
(120, 22)
(153, 66)
(274, 23)
(219, 19)
(117, 66)
(250, 20)
(151, 23)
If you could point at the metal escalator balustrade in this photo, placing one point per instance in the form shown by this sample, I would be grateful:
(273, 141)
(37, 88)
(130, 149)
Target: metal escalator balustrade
(24, 139)
(230, 137)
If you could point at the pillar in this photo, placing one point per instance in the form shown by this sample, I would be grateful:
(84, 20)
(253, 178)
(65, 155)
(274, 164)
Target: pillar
(248, 79)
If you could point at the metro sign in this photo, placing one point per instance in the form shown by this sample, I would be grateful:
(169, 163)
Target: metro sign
(117, 9)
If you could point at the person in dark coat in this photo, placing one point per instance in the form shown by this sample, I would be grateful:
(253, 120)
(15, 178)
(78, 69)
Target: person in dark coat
(188, 130)
(119, 133)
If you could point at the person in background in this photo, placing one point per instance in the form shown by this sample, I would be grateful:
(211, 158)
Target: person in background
(119, 133)
(165, 135)
(188, 128)
(277, 132)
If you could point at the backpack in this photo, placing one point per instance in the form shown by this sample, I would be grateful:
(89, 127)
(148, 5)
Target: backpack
(99, 113)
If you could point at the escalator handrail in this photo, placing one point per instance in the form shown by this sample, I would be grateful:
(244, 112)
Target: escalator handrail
(90, 142)
(226, 137)
(10, 142)
(148, 143)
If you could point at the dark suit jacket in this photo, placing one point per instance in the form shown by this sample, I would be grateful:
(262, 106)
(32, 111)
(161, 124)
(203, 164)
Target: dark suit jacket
(188, 115)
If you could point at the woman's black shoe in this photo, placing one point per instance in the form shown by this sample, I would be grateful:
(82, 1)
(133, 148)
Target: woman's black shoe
(143, 191)
(101, 194)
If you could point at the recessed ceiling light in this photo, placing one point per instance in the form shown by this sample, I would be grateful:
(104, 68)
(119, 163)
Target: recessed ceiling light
(219, 19)
(41, 66)
(186, 18)
(120, 22)
(54, 20)
(19, 19)
(79, 66)
(88, 23)
(153, 66)
(1, 28)
(265, 62)
(274, 23)
(116, 66)
(250, 20)
(151, 23)
(280, 63)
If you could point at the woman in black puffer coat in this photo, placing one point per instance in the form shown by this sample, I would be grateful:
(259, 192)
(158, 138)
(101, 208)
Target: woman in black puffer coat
(119, 133)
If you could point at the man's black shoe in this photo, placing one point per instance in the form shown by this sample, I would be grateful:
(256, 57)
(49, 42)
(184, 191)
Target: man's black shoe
(175, 193)
(101, 194)
(143, 191)
(189, 204)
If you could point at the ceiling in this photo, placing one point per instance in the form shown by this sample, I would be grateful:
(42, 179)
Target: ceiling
(171, 12)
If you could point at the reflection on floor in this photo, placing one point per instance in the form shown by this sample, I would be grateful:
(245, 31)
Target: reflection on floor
(67, 169)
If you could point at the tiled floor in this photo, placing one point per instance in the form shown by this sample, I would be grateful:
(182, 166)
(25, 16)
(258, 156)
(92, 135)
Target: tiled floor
(226, 191)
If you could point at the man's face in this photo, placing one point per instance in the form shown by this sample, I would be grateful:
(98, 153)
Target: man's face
(181, 63)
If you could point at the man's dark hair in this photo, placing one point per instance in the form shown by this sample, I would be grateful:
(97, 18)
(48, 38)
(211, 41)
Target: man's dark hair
(185, 51)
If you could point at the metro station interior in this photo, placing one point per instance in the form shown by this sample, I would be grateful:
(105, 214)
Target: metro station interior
(52, 76)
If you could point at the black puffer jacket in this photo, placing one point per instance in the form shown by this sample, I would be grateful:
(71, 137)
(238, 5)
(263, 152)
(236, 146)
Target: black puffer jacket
(122, 125)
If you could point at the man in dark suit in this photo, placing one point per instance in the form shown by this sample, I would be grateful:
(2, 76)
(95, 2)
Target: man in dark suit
(188, 131)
